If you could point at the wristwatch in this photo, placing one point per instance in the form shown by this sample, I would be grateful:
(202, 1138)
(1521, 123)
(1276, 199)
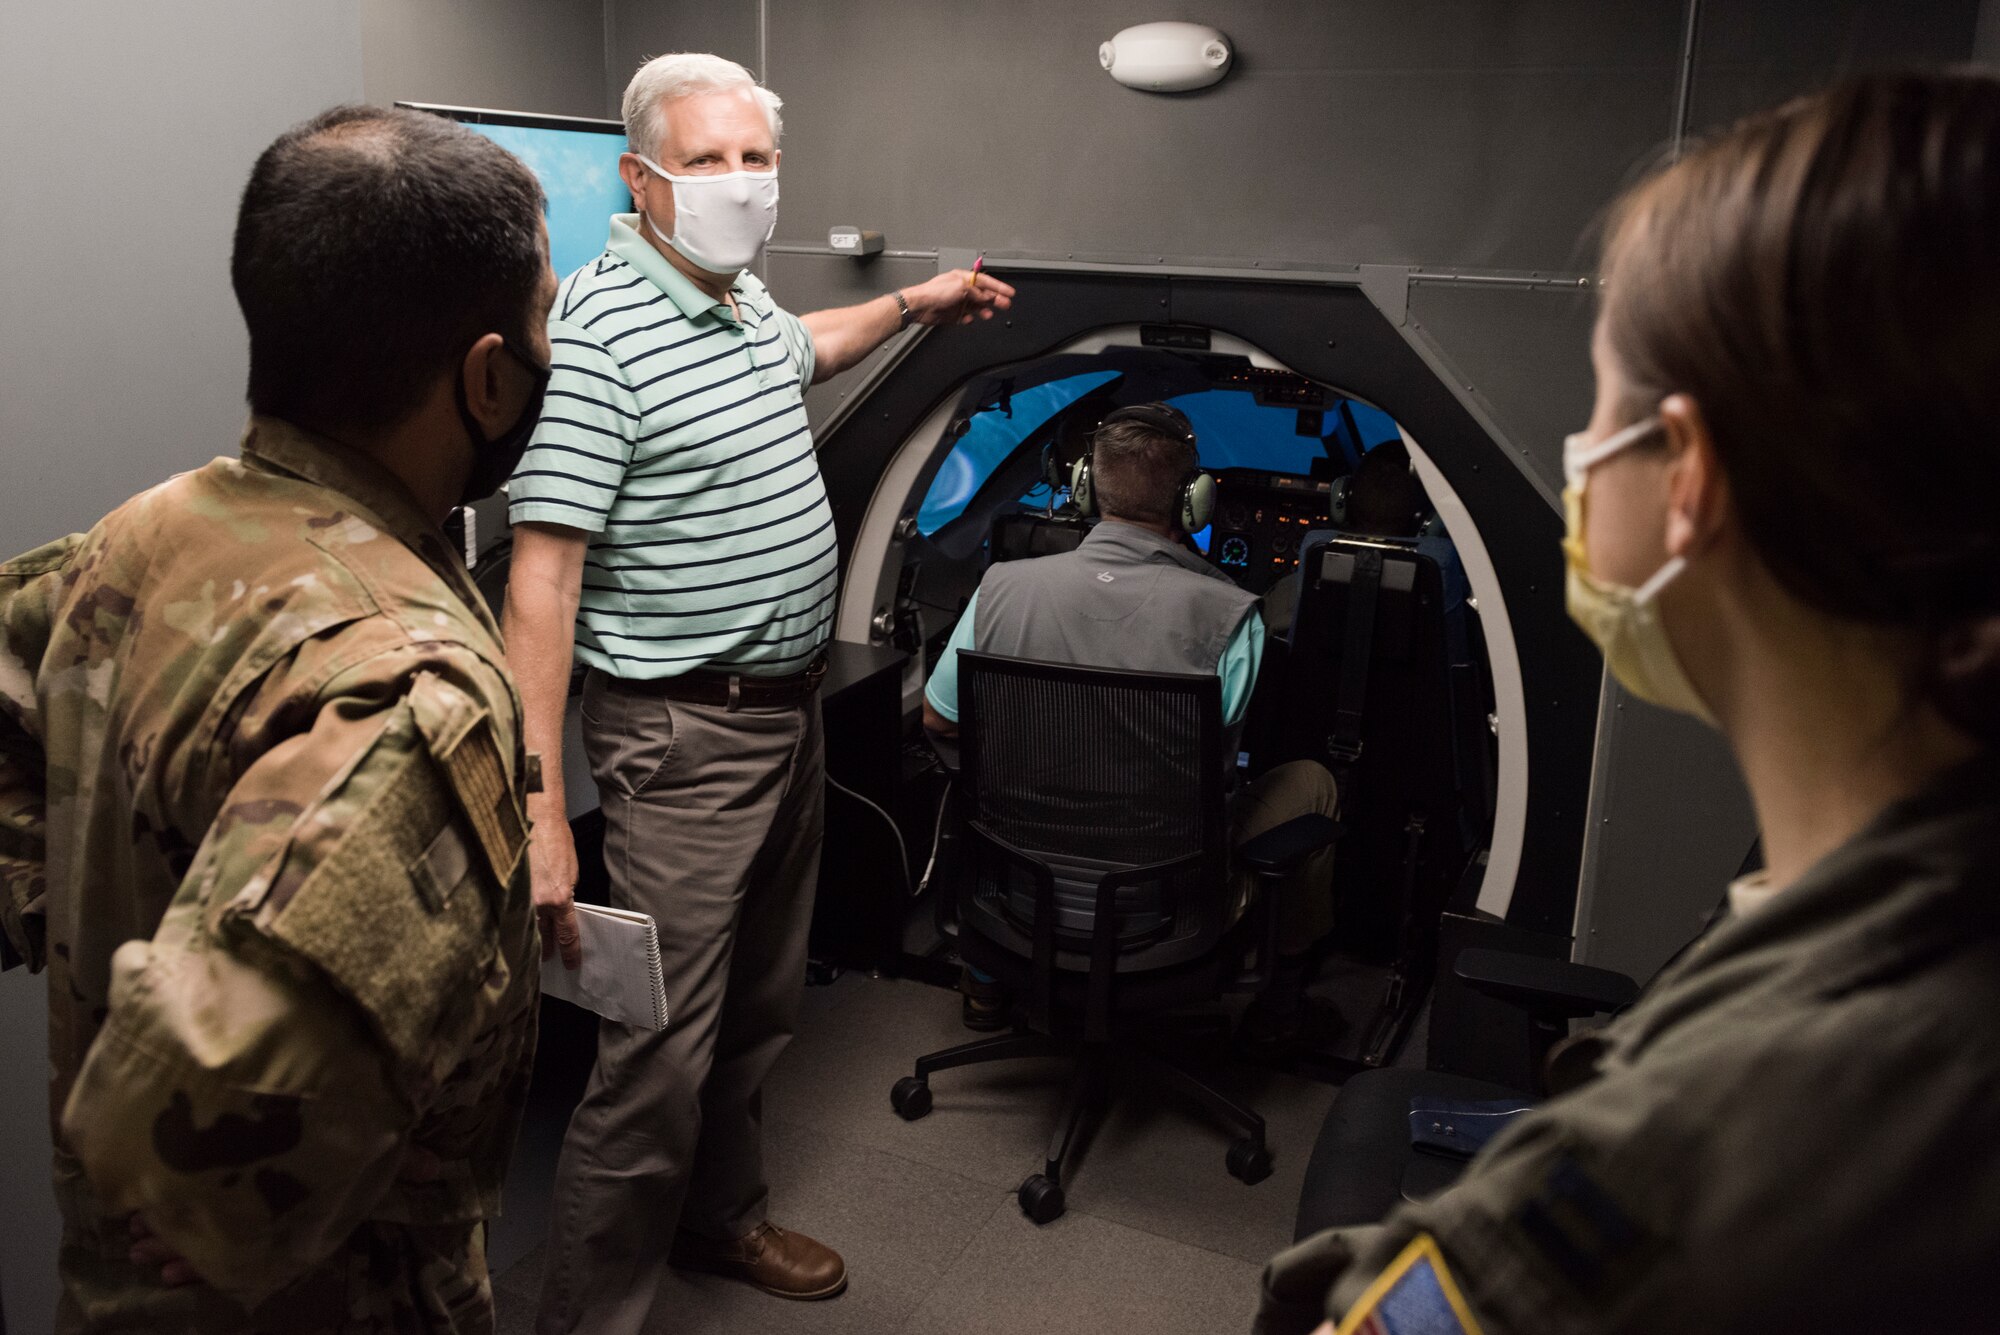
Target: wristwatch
(903, 306)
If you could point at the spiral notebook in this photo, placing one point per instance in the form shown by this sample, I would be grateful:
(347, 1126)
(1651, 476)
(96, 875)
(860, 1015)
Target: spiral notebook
(620, 976)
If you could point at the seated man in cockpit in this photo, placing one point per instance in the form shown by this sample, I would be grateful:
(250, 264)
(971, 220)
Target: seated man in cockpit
(1135, 596)
(1384, 500)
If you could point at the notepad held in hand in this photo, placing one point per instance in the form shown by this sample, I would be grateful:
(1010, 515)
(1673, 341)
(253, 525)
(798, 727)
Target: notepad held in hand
(620, 976)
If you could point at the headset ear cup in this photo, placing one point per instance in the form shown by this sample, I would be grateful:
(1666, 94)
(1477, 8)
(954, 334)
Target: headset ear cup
(1081, 494)
(1197, 503)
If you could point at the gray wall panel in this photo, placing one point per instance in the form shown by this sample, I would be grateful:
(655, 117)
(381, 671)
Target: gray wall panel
(132, 364)
(1443, 132)
(637, 30)
(1754, 53)
(1523, 353)
(803, 283)
(1986, 36)
(1669, 826)
(517, 55)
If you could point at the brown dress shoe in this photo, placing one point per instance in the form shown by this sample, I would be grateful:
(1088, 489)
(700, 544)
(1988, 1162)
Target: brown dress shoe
(783, 1264)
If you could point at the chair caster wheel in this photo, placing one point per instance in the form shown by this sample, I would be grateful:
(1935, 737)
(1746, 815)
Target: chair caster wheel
(1041, 1200)
(911, 1098)
(1249, 1162)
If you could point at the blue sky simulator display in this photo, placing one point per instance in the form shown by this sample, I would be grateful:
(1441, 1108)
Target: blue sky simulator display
(578, 170)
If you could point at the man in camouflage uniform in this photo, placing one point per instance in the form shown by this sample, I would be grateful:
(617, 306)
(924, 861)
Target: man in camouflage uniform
(261, 779)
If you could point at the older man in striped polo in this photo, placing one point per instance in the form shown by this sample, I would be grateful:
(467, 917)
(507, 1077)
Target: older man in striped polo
(671, 529)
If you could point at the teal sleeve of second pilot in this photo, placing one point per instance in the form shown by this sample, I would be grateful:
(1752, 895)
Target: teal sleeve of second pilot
(942, 689)
(1238, 668)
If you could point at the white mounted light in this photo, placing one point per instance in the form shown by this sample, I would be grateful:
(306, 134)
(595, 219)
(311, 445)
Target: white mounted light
(1167, 57)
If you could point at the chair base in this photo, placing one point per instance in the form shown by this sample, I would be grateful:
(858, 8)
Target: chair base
(1041, 1194)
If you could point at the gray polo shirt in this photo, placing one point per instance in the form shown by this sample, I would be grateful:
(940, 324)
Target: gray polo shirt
(1127, 598)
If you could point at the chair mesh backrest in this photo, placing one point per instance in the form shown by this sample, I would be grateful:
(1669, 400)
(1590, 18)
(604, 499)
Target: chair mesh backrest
(1091, 769)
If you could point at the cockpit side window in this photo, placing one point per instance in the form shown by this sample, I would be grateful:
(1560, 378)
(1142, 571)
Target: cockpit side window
(991, 436)
(1275, 442)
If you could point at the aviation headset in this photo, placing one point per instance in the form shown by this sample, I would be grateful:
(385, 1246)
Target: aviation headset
(1196, 494)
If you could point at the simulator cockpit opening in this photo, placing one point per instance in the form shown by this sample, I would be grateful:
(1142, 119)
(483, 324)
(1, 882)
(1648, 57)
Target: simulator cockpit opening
(1375, 663)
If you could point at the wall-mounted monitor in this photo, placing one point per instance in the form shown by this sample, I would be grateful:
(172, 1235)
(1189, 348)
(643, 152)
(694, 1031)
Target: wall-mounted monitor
(576, 160)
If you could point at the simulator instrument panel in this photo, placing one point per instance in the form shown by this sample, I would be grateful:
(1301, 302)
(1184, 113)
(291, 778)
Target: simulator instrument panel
(1260, 519)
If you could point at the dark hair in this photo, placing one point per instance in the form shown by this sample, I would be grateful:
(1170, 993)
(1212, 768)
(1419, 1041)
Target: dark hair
(1822, 280)
(373, 247)
(1383, 497)
(1138, 462)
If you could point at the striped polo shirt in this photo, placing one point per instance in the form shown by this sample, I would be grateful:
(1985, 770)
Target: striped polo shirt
(676, 437)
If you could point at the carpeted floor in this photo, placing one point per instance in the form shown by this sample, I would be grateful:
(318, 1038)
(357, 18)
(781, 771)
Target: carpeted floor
(1157, 1238)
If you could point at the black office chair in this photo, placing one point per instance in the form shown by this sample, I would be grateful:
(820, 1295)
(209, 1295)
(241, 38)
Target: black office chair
(1098, 887)
(1366, 1162)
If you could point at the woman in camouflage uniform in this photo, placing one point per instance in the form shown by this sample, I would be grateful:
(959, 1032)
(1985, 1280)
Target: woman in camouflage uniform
(1782, 520)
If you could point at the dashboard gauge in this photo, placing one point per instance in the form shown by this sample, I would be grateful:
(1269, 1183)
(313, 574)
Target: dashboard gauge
(1236, 515)
(1234, 551)
(1282, 543)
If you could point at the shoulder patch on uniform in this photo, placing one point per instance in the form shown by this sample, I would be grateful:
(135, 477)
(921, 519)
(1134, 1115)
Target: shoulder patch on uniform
(1416, 1295)
(1581, 1230)
(460, 734)
(375, 915)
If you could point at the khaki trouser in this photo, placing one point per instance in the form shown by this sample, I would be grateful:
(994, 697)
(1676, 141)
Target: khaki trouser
(713, 825)
(1305, 898)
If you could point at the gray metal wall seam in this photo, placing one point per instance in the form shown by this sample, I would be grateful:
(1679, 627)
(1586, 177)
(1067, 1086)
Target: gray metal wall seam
(1477, 406)
(527, 55)
(1584, 932)
(613, 99)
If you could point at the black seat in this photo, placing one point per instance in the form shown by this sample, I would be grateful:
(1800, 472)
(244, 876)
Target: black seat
(1018, 537)
(1098, 886)
(1378, 685)
(1364, 1163)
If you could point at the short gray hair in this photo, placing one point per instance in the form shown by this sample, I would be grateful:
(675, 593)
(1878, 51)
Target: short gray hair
(665, 78)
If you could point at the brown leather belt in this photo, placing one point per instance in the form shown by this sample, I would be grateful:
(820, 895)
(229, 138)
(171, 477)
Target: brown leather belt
(733, 690)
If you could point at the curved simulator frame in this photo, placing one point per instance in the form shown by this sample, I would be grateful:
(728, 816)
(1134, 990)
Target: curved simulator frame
(1329, 330)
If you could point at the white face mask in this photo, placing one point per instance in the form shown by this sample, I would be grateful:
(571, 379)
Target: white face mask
(720, 222)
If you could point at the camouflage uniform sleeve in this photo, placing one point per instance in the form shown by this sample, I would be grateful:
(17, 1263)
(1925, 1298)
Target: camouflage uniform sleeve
(328, 961)
(1729, 1178)
(1564, 1224)
(29, 588)
(1291, 1296)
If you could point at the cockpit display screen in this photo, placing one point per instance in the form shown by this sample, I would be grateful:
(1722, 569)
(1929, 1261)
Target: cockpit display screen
(575, 159)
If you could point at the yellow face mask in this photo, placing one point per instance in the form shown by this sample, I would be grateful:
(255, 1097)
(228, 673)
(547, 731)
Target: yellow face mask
(1624, 623)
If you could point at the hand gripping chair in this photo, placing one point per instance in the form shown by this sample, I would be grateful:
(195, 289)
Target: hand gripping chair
(1098, 885)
